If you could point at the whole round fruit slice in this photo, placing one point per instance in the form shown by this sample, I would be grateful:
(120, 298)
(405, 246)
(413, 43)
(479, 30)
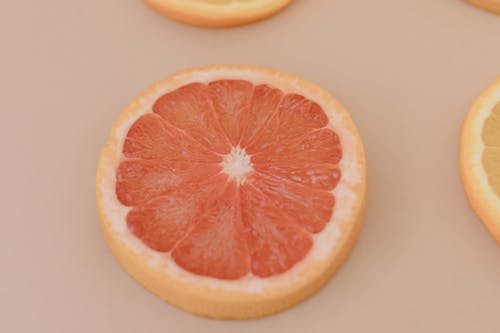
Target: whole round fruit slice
(232, 191)
(480, 157)
(491, 5)
(218, 13)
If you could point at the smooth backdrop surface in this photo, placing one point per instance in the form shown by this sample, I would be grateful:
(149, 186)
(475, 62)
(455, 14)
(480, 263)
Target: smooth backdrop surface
(406, 70)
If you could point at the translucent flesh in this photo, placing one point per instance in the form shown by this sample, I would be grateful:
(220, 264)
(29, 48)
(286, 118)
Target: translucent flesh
(491, 153)
(229, 221)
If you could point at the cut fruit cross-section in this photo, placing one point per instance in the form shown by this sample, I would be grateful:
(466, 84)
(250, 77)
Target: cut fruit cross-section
(480, 157)
(232, 191)
(218, 13)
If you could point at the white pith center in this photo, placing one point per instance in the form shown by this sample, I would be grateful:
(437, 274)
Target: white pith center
(237, 164)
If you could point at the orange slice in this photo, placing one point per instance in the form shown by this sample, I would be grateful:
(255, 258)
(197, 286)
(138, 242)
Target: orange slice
(218, 13)
(480, 157)
(491, 5)
(232, 191)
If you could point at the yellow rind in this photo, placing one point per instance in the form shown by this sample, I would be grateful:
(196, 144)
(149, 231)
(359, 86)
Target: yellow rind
(216, 16)
(219, 303)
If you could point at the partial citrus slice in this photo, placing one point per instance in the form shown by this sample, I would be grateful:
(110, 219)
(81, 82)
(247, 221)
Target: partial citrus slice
(232, 191)
(480, 157)
(218, 13)
(491, 5)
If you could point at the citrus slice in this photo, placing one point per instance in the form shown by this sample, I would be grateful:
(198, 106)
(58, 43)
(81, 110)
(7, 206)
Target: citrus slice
(491, 5)
(232, 191)
(218, 13)
(480, 157)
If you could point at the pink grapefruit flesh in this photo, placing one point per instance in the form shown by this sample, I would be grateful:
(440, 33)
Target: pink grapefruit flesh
(230, 178)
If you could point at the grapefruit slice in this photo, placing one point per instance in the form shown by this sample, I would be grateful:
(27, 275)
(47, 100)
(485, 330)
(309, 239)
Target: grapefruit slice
(232, 191)
(218, 13)
(480, 157)
(491, 5)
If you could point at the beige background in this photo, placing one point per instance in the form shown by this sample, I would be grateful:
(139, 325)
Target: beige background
(406, 69)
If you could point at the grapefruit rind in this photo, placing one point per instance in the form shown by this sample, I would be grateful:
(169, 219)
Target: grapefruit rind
(480, 193)
(250, 296)
(208, 14)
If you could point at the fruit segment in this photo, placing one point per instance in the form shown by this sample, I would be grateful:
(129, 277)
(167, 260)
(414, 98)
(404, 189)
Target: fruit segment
(151, 138)
(231, 99)
(319, 146)
(216, 247)
(274, 241)
(138, 181)
(190, 108)
(316, 175)
(491, 164)
(491, 129)
(491, 153)
(295, 117)
(309, 208)
(163, 221)
(265, 101)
